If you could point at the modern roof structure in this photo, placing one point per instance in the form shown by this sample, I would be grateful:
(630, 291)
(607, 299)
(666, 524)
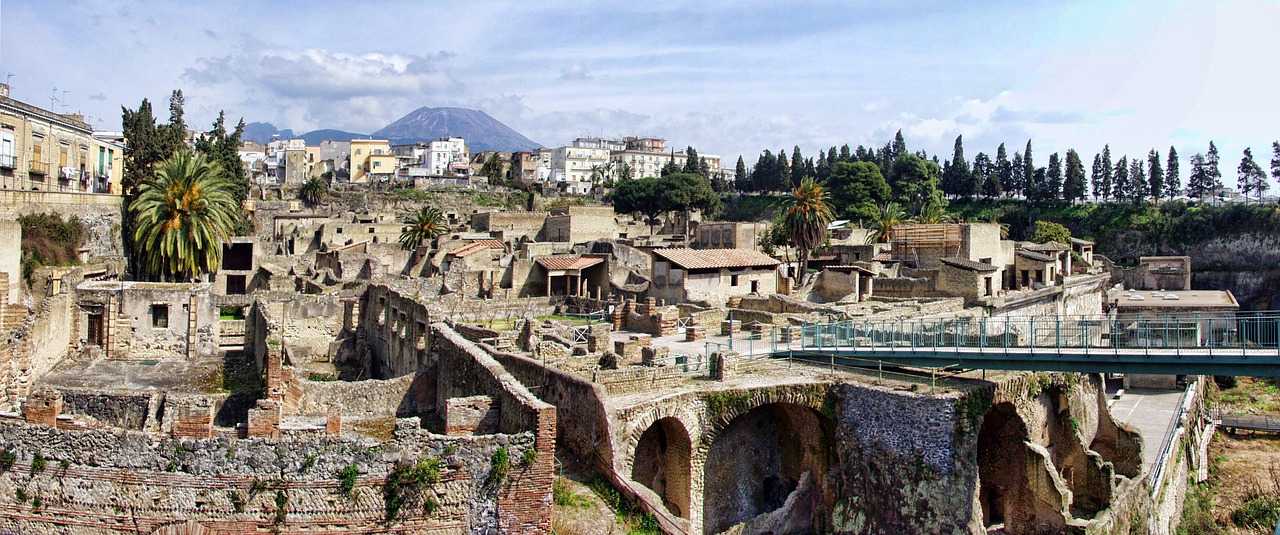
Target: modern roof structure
(965, 263)
(1032, 255)
(568, 263)
(1050, 246)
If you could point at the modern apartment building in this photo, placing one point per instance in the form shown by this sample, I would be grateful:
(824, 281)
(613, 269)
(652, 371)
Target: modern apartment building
(575, 164)
(371, 159)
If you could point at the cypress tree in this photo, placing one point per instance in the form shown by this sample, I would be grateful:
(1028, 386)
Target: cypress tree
(740, 176)
(1099, 183)
(1018, 182)
(1120, 179)
(1275, 160)
(1073, 187)
(1155, 175)
(797, 165)
(1172, 182)
(1106, 172)
(1137, 185)
(1053, 179)
(1029, 174)
(784, 172)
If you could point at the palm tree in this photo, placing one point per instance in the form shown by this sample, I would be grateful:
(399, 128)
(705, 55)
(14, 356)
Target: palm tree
(183, 215)
(427, 224)
(314, 189)
(933, 213)
(891, 215)
(807, 216)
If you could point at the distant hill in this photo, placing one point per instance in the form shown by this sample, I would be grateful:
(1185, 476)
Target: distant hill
(481, 131)
(314, 137)
(263, 132)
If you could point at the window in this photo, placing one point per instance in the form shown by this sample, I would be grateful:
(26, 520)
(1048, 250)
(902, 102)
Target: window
(986, 261)
(160, 316)
(35, 153)
(235, 285)
(988, 283)
(733, 280)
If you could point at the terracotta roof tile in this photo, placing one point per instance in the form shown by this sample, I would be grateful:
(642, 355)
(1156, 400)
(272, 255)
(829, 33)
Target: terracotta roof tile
(475, 247)
(557, 263)
(1032, 255)
(883, 256)
(716, 258)
(1051, 246)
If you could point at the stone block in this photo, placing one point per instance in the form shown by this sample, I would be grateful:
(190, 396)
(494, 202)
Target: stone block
(694, 333)
(650, 354)
(628, 351)
(195, 418)
(333, 421)
(642, 340)
(264, 419)
(728, 327)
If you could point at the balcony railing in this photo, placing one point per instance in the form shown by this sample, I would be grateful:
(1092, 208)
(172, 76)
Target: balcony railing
(39, 168)
(7, 161)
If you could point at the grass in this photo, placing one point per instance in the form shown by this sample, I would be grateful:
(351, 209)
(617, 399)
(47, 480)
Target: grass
(636, 520)
(1252, 395)
(563, 496)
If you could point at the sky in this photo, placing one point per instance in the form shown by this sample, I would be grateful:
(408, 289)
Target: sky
(729, 78)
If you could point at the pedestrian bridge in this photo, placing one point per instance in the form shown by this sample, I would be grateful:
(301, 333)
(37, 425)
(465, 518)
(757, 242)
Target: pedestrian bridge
(1188, 344)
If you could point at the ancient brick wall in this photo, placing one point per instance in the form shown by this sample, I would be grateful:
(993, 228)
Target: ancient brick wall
(128, 410)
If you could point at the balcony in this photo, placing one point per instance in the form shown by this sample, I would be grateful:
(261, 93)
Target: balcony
(7, 161)
(39, 168)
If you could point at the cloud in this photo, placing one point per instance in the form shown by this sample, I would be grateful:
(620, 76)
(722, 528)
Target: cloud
(100, 97)
(577, 71)
(325, 88)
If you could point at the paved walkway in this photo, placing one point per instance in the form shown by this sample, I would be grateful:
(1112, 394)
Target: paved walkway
(1151, 412)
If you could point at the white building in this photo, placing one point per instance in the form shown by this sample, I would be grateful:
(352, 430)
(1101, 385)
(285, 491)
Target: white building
(574, 164)
(440, 157)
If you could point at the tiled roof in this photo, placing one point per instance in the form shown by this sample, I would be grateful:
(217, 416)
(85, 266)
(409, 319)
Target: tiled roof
(1052, 246)
(556, 263)
(475, 247)
(1032, 255)
(883, 256)
(1078, 241)
(716, 258)
(965, 263)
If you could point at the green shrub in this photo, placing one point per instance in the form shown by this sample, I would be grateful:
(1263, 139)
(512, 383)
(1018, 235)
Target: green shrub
(347, 479)
(563, 496)
(499, 466)
(309, 463)
(38, 463)
(529, 457)
(282, 506)
(1259, 511)
(320, 377)
(7, 458)
(237, 501)
(20, 495)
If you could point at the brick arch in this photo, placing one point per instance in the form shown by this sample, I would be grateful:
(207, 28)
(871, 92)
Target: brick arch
(681, 410)
(798, 437)
(661, 462)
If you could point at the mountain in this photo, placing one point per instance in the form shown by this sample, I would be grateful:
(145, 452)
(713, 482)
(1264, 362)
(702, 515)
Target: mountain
(314, 137)
(263, 132)
(481, 131)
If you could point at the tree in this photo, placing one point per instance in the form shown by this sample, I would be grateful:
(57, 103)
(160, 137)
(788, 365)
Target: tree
(897, 150)
(1250, 176)
(1004, 169)
(1053, 179)
(987, 176)
(858, 188)
(1275, 160)
(1099, 180)
(1106, 172)
(808, 214)
(1198, 182)
(890, 216)
(313, 190)
(797, 165)
(142, 150)
(1047, 231)
(1172, 182)
(1155, 175)
(1136, 187)
(916, 181)
(784, 171)
(642, 195)
(957, 179)
(182, 217)
(671, 166)
(626, 172)
(494, 169)
(425, 225)
(687, 192)
(1073, 186)
(1029, 165)
(1120, 179)
(740, 176)
(223, 147)
(1017, 182)
(1212, 171)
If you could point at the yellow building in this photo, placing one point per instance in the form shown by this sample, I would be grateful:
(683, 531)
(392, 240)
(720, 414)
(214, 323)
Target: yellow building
(46, 151)
(371, 159)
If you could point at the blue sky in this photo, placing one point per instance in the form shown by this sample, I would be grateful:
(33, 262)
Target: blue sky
(727, 77)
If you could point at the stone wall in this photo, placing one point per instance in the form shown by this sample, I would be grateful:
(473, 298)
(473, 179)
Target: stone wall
(395, 329)
(124, 481)
(11, 260)
(128, 410)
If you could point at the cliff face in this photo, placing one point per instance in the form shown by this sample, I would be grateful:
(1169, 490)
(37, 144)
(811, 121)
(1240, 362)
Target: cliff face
(1247, 264)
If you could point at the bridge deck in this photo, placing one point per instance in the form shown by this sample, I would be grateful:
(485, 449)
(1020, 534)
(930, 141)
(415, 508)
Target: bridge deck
(1253, 422)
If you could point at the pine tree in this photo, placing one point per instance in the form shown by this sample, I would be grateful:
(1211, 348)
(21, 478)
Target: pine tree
(1120, 179)
(1250, 176)
(1198, 181)
(740, 176)
(899, 146)
(1155, 176)
(1275, 160)
(1099, 180)
(845, 155)
(1212, 172)
(1073, 186)
(784, 172)
(1106, 173)
(1172, 182)
(955, 175)
(690, 161)
(1003, 169)
(1053, 179)
(1018, 182)
(986, 175)
(1137, 185)
(797, 165)
(1029, 172)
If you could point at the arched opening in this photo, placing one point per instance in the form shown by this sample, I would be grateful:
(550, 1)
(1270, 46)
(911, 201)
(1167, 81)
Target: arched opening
(662, 464)
(1001, 463)
(760, 459)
